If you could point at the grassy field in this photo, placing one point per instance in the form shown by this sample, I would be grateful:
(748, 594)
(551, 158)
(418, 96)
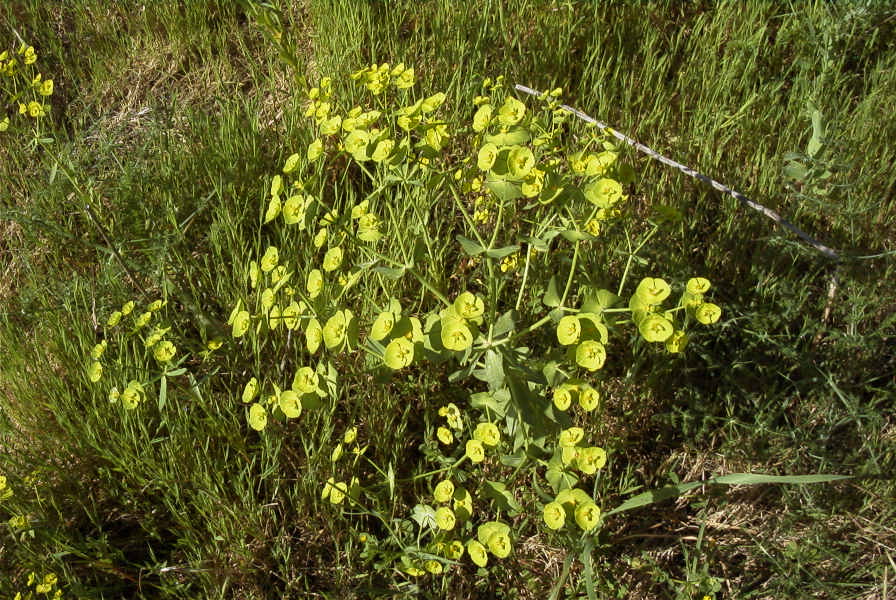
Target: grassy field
(150, 176)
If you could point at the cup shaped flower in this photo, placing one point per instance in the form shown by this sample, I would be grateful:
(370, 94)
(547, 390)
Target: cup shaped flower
(445, 436)
(294, 209)
(155, 336)
(568, 455)
(273, 210)
(554, 515)
(589, 398)
(114, 319)
(240, 324)
(482, 117)
(290, 405)
(444, 491)
(314, 335)
(697, 285)
(399, 353)
(292, 316)
(356, 143)
(258, 417)
(488, 529)
(571, 436)
(587, 515)
(454, 549)
(305, 381)
(314, 283)
(132, 395)
(338, 490)
(590, 460)
(520, 161)
(511, 112)
(267, 299)
(533, 184)
(383, 150)
(591, 355)
(455, 334)
(270, 259)
(655, 328)
(432, 102)
(331, 126)
(475, 451)
(652, 290)
(95, 371)
(433, 566)
(469, 306)
(708, 313)
(404, 79)
(478, 553)
(597, 164)
(500, 544)
(320, 238)
(254, 272)
(250, 390)
(488, 434)
(141, 321)
(568, 330)
(562, 396)
(315, 150)
(164, 351)
(337, 452)
(332, 259)
(445, 519)
(291, 163)
(335, 330)
(676, 342)
(603, 193)
(486, 157)
(462, 504)
(452, 414)
(98, 350)
(382, 325)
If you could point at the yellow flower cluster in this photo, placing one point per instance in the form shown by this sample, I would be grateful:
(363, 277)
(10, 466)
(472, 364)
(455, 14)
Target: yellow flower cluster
(22, 86)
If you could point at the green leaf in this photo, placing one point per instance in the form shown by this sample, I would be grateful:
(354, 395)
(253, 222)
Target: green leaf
(513, 136)
(176, 372)
(504, 189)
(469, 246)
(575, 236)
(504, 324)
(502, 252)
(796, 170)
(425, 516)
(551, 297)
(672, 491)
(492, 372)
(560, 479)
(163, 392)
(537, 243)
(816, 143)
(513, 460)
(503, 498)
(588, 569)
(496, 403)
(389, 272)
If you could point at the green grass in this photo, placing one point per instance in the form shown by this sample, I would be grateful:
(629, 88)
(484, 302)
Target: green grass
(186, 501)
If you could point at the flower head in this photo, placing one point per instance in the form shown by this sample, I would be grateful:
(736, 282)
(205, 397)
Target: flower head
(488, 434)
(475, 451)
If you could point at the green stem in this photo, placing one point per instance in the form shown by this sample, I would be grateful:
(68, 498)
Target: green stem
(631, 256)
(437, 471)
(572, 272)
